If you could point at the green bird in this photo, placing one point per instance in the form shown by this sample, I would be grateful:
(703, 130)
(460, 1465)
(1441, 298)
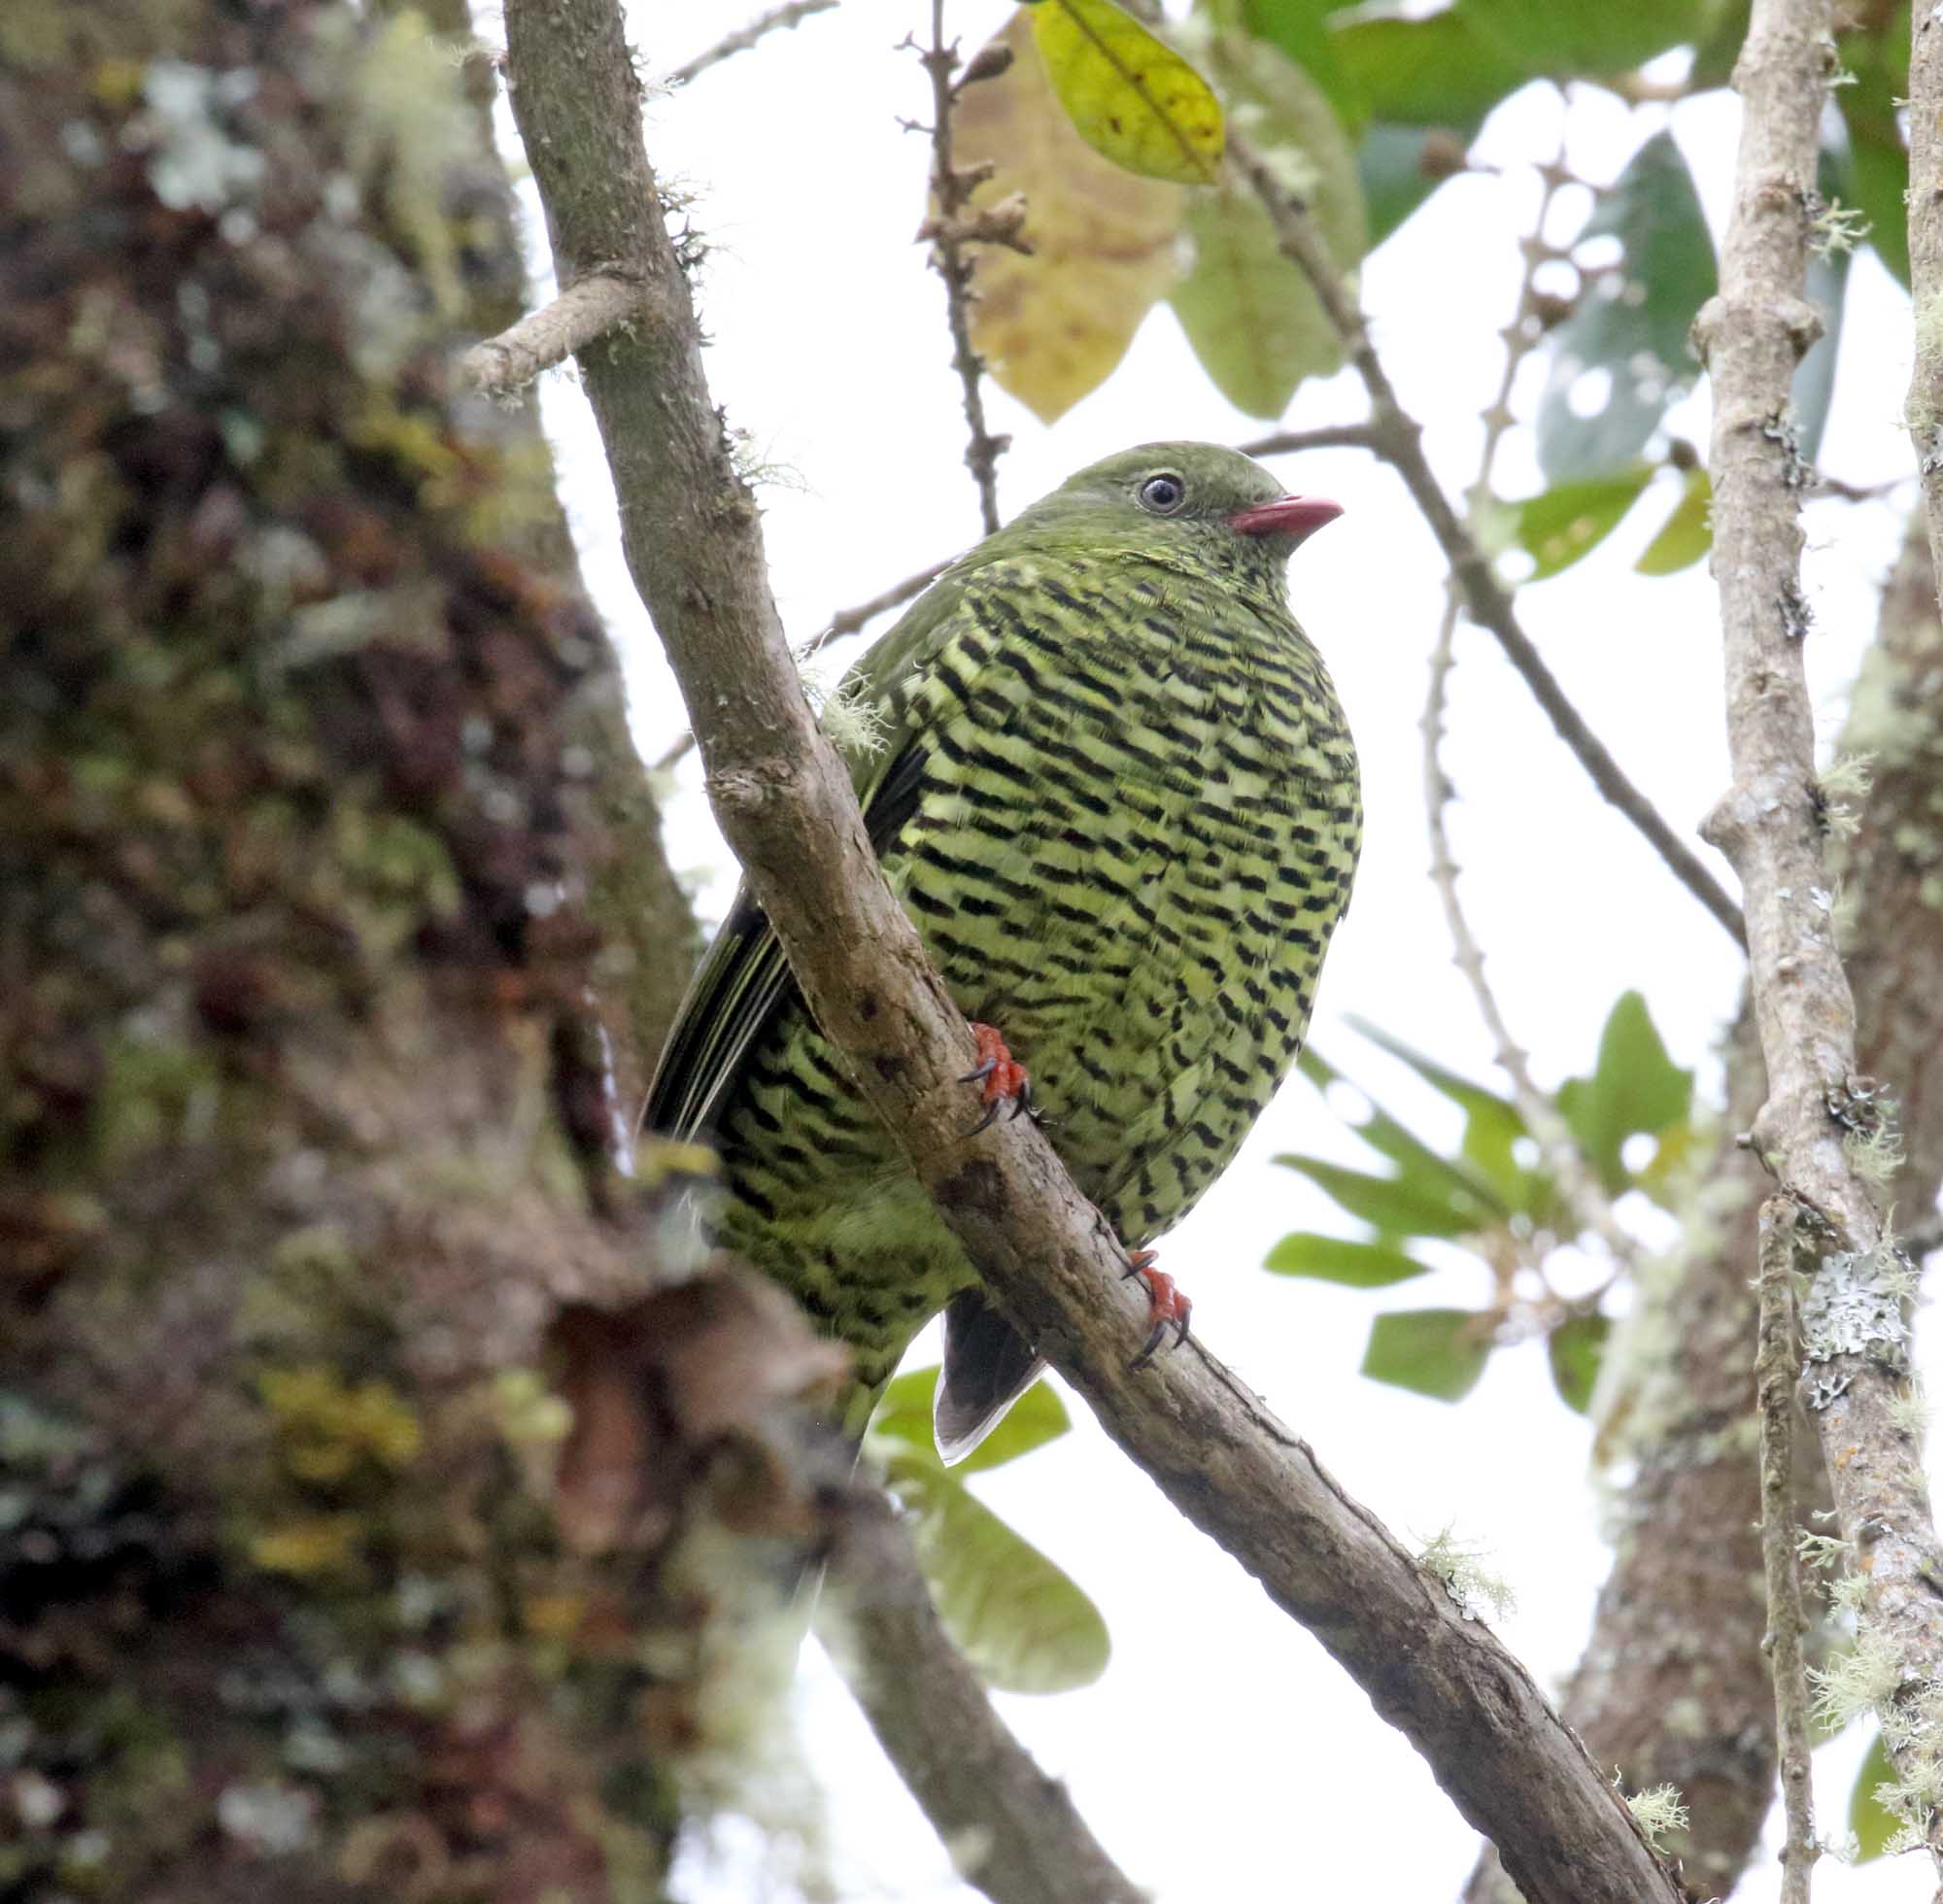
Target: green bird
(1108, 776)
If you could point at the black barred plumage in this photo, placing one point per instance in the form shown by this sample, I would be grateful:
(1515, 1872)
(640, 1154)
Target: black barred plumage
(1113, 787)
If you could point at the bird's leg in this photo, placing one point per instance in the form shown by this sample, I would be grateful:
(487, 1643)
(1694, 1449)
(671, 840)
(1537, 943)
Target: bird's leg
(1004, 1078)
(1167, 1308)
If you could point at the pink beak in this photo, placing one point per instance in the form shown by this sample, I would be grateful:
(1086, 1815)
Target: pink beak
(1296, 517)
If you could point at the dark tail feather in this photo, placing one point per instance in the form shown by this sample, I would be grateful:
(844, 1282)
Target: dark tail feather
(988, 1364)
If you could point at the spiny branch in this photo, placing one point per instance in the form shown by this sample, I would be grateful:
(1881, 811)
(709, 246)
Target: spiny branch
(952, 237)
(1399, 441)
(1590, 1206)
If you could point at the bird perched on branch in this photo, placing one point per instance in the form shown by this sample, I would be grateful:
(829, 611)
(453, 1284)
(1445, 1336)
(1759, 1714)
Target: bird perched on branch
(1108, 778)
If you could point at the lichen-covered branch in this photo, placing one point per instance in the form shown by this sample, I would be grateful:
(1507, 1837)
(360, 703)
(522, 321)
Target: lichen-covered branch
(1821, 1119)
(1399, 441)
(694, 543)
(1015, 1832)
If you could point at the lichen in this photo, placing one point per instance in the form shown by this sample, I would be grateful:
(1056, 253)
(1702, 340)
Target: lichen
(1855, 1307)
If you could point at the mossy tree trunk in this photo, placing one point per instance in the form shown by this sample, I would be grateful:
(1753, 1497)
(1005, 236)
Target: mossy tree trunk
(312, 1245)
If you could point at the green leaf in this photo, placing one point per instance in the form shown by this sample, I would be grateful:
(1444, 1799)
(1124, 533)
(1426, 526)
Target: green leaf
(1020, 1621)
(1037, 1416)
(1492, 1131)
(1635, 1086)
(1570, 520)
(1412, 1157)
(1631, 323)
(1250, 313)
(1130, 96)
(1574, 1350)
(1873, 1824)
(1435, 71)
(1411, 1206)
(1687, 534)
(1580, 41)
(1439, 1352)
(1336, 1259)
(1460, 1090)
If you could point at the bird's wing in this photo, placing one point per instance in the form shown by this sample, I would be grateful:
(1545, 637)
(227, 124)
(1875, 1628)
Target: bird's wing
(744, 981)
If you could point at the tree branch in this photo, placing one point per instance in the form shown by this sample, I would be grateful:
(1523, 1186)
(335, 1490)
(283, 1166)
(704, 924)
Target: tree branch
(693, 541)
(744, 37)
(1399, 441)
(1752, 336)
(1777, 1369)
(1012, 1831)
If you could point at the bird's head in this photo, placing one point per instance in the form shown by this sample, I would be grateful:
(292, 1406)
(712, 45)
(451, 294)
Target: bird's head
(1188, 503)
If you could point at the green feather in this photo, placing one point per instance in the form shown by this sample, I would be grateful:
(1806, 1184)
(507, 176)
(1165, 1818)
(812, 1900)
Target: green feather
(1113, 785)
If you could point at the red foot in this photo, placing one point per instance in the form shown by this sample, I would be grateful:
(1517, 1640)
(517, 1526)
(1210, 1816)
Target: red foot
(1005, 1078)
(1167, 1308)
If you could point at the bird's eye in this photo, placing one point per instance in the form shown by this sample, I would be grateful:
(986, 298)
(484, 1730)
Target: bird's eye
(1162, 493)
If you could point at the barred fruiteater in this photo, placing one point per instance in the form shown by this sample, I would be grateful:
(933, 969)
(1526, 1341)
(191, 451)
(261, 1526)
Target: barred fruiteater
(1111, 782)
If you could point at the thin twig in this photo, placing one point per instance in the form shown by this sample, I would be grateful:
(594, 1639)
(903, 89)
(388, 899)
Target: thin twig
(745, 37)
(851, 621)
(1326, 436)
(950, 255)
(587, 309)
(1752, 338)
(1015, 1832)
(1399, 441)
(1588, 1202)
(693, 538)
(846, 621)
(1777, 1367)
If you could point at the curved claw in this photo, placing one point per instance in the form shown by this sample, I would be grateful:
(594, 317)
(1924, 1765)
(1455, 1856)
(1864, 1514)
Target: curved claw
(1168, 1310)
(1005, 1079)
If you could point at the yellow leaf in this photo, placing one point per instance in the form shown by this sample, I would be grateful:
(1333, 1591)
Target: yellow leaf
(1052, 326)
(1132, 97)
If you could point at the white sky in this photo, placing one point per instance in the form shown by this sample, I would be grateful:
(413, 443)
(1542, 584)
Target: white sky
(1223, 1755)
